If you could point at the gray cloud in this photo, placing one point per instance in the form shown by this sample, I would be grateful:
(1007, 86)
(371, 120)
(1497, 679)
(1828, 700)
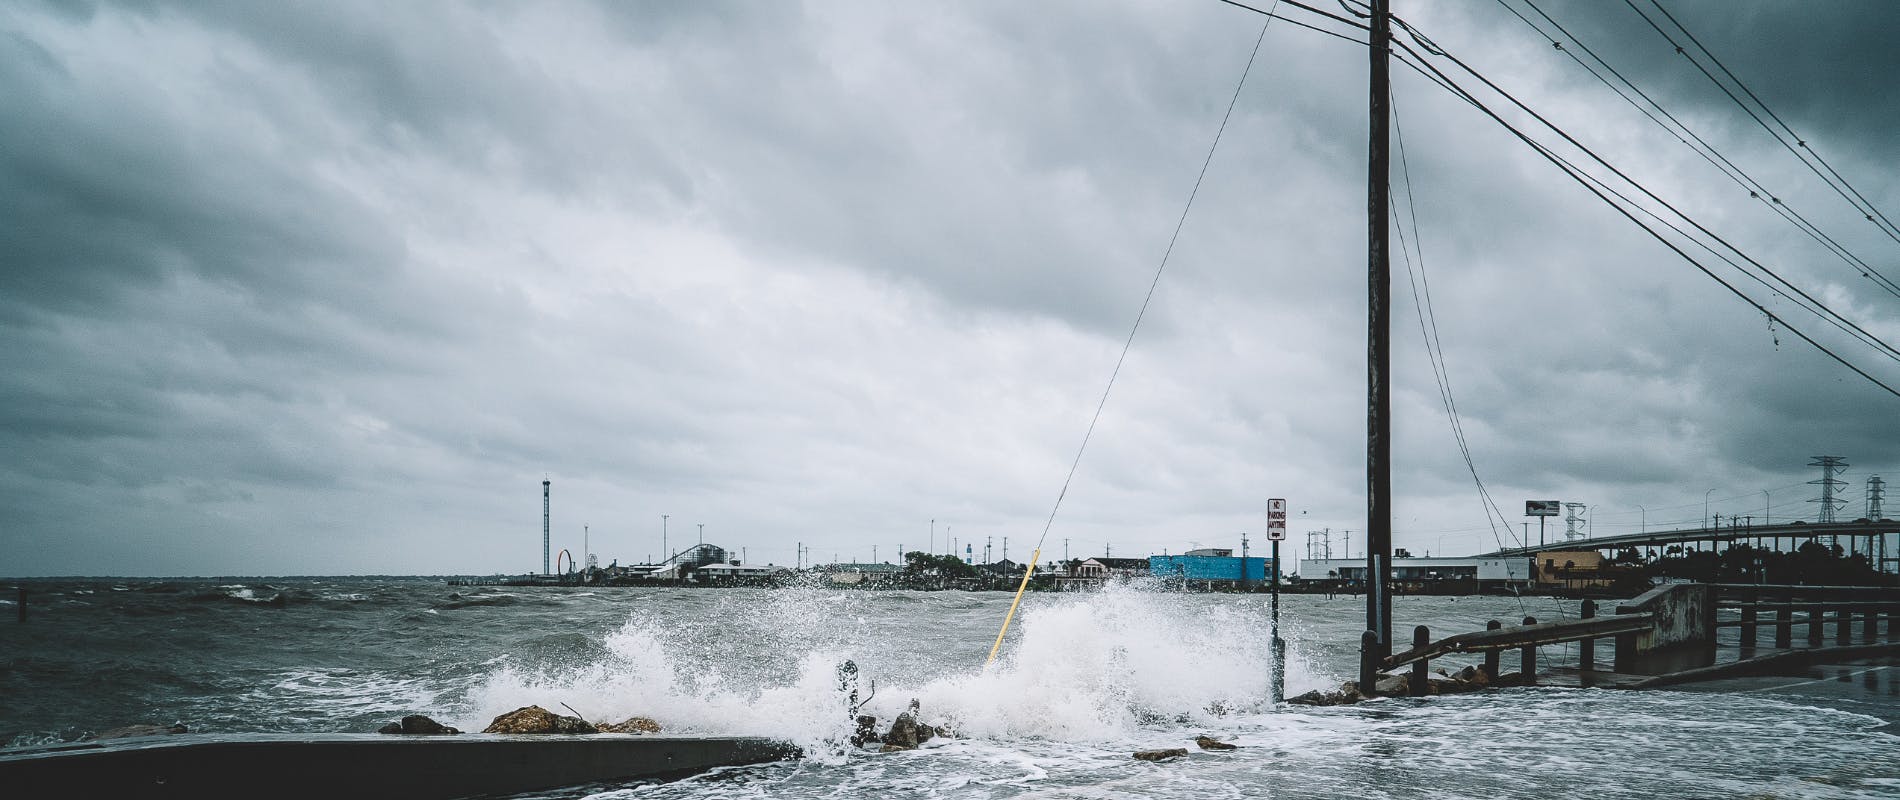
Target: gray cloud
(332, 288)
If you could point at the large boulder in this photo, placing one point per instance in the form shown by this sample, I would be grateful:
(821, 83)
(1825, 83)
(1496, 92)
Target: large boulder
(1161, 755)
(417, 724)
(633, 725)
(903, 734)
(1210, 743)
(1392, 685)
(535, 719)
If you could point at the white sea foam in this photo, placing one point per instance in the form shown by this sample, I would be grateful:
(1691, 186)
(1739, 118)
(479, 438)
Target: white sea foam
(1082, 668)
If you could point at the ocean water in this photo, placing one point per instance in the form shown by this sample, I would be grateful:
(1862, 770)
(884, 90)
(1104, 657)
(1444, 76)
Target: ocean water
(1083, 680)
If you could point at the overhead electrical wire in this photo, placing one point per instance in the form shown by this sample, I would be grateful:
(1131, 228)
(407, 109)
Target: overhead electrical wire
(1135, 328)
(1700, 146)
(1428, 330)
(1308, 26)
(1814, 305)
(1836, 182)
(1419, 62)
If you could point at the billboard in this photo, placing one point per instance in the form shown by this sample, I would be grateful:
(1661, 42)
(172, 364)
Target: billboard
(1543, 508)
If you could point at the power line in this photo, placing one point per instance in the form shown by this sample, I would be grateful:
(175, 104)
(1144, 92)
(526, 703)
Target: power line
(1310, 27)
(1578, 175)
(1838, 183)
(1817, 307)
(1701, 147)
(1156, 282)
(1434, 346)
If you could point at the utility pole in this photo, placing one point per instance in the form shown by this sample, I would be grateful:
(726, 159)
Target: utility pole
(702, 533)
(1379, 330)
(933, 537)
(798, 554)
(663, 549)
(1065, 549)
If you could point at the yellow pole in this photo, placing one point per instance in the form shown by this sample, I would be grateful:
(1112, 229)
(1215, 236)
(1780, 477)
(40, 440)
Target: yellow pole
(1033, 558)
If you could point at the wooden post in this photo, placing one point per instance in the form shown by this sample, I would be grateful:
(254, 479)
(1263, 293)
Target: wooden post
(1369, 664)
(1587, 649)
(1379, 331)
(1870, 628)
(1844, 625)
(1491, 656)
(1528, 666)
(1816, 618)
(1748, 628)
(1421, 637)
(1784, 626)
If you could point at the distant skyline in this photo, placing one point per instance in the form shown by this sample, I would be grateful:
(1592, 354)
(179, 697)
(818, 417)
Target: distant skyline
(331, 288)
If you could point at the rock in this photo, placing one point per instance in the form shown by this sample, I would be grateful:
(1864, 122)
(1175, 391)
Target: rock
(866, 732)
(1161, 755)
(894, 748)
(535, 719)
(1449, 685)
(903, 733)
(1210, 743)
(1347, 695)
(1392, 685)
(925, 733)
(131, 731)
(417, 724)
(633, 725)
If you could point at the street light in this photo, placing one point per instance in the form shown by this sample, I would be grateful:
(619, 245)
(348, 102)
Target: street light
(1589, 522)
(1705, 508)
(663, 534)
(1767, 502)
(1645, 513)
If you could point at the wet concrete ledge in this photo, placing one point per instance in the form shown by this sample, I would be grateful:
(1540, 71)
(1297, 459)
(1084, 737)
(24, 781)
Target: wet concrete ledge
(363, 765)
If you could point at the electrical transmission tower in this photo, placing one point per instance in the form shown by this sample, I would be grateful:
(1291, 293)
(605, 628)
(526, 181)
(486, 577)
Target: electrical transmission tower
(1875, 489)
(1571, 533)
(1319, 544)
(1830, 466)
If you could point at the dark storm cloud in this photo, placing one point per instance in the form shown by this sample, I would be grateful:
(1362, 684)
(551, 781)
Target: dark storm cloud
(333, 287)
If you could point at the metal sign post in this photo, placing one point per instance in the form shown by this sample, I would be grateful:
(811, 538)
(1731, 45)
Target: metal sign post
(1276, 533)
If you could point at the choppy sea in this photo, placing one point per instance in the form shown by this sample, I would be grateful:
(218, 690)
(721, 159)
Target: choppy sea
(1084, 680)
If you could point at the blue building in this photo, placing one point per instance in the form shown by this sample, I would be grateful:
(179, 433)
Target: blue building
(1210, 564)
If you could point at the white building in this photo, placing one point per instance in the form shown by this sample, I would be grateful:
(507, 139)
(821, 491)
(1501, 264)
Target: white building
(1484, 570)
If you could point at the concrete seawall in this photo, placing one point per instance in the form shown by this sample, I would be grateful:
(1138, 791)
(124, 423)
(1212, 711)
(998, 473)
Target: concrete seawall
(363, 765)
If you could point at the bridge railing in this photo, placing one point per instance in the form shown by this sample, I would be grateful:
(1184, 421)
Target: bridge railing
(1810, 606)
(1670, 629)
(1495, 639)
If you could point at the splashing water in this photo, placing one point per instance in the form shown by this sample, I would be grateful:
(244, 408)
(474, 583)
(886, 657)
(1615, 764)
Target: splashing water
(1085, 668)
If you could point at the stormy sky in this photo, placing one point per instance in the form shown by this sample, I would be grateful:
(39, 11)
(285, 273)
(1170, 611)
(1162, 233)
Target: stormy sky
(332, 287)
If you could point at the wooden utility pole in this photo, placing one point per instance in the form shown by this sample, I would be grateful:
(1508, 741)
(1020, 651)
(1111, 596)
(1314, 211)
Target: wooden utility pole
(1379, 351)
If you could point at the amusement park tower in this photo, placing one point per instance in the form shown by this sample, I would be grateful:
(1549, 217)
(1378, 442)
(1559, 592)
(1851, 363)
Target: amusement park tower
(544, 528)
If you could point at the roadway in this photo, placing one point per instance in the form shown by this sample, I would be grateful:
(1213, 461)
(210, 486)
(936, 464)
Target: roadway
(1726, 533)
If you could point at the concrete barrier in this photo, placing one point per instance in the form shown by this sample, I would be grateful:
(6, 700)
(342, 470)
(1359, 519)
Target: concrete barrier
(1682, 636)
(363, 765)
